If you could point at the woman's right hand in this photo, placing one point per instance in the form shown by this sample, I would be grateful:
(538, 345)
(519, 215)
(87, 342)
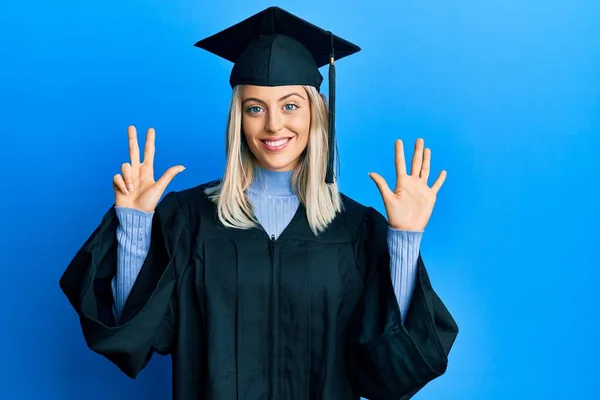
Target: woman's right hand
(135, 187)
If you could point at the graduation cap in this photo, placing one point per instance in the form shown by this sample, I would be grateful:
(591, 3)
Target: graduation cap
(277, 48)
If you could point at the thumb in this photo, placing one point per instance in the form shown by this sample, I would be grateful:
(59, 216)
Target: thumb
(169, 175)
(381, 184)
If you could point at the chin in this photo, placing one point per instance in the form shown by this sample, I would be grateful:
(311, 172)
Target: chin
(277, 164)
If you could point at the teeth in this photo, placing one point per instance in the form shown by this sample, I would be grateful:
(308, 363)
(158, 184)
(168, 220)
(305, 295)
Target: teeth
(277, 143)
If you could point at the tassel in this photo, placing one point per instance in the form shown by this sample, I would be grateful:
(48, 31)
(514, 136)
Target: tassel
(331, 143)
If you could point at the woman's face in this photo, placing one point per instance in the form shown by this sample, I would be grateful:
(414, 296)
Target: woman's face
(276, 123)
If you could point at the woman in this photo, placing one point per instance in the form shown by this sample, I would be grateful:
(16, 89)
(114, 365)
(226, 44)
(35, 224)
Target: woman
(268, 283)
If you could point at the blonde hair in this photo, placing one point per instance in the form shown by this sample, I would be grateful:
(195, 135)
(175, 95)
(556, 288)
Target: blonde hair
(322, 201)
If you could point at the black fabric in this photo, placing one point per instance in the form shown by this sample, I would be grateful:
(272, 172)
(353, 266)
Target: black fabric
(246, 317)
(276, 48)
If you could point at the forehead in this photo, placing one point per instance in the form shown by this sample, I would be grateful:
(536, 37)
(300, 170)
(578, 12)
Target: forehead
(272, 93)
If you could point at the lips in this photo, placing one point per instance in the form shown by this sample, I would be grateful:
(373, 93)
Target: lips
(276, 144)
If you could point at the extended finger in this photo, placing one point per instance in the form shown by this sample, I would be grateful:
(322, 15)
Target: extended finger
(417, 160)
(381, 185)
(437, 185)
(168, 176)
(134, 149)
(149, 150)
(127, 175)
(119, 183)
(425, 168)
(400, 161)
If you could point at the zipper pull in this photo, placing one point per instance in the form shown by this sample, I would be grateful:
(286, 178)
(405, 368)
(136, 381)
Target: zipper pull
(272, 238)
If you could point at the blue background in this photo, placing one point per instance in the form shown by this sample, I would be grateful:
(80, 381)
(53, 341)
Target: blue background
(505, 92)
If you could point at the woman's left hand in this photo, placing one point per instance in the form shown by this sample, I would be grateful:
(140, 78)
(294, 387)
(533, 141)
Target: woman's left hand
(410, 205)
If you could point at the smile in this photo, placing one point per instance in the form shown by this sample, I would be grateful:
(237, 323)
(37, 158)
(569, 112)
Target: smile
(277, 144)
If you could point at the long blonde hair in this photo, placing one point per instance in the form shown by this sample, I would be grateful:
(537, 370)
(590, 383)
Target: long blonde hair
(322, 201)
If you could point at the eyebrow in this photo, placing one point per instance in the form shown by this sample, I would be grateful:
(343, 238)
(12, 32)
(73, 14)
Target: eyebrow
(287, 96)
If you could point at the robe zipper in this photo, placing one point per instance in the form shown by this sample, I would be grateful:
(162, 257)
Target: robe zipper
(274, 324)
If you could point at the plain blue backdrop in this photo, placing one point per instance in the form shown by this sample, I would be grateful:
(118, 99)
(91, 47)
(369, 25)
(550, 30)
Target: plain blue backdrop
(506, 93)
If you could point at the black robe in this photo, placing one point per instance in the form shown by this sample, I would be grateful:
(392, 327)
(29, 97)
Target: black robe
(247, 317)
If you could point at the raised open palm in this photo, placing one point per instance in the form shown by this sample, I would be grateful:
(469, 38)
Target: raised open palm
(410, 205)
(135, 187)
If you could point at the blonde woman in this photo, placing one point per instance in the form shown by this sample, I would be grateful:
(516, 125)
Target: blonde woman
(268, 283)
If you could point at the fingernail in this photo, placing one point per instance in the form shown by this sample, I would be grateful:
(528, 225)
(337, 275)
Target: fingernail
(130, 186)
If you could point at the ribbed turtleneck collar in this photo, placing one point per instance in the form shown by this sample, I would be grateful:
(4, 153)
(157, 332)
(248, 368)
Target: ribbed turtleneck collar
(272, 183)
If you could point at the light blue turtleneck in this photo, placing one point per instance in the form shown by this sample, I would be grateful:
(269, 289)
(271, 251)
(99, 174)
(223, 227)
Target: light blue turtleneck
(274, 206)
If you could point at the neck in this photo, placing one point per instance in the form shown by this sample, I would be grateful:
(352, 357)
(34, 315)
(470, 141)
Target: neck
(272, 183)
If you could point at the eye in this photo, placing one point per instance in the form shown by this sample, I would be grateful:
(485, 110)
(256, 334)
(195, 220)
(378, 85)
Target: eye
(290, 107)
(253, 109)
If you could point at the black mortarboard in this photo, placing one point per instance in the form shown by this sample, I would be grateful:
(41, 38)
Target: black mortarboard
(276, 48)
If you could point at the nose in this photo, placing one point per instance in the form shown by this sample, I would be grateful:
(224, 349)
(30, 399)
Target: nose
(274, 122)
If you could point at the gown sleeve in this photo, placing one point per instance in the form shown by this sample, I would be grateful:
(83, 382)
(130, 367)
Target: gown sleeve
(386, 358)
(148, 318)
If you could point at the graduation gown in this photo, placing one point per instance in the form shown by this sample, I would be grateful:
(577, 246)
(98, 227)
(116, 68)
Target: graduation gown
(245, 316)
